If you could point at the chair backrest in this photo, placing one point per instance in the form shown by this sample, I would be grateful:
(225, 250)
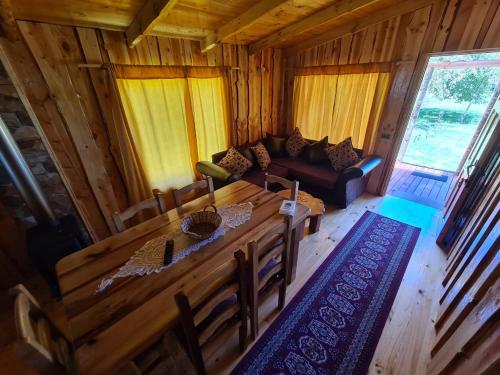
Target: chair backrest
(40, 344)
(292, 185)
(158, 201)
(269, 261)
(213, 309)
(206, 184)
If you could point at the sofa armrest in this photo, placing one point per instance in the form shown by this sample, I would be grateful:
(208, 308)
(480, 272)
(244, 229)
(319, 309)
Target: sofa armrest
(361, 168)
(217, 173)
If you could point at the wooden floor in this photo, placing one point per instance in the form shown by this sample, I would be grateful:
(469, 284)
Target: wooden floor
(407, 337)
(405, 343)
(422, 190)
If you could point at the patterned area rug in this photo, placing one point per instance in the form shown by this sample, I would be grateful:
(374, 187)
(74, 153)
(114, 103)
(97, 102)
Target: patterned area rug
(333, 324)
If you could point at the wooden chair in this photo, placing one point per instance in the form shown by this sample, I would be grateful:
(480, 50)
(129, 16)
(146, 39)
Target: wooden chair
(166, 356)
(207, 184)
(158, 201)
(269, 267)
(209, 319)
(287, 184)
(40, 344)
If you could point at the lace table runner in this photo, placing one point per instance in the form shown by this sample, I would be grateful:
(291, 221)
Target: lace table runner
(149, 258)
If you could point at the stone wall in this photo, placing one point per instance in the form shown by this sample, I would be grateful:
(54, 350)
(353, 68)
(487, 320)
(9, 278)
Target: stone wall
(15, 116)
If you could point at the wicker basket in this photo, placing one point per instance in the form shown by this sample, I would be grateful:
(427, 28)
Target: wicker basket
(202, 224)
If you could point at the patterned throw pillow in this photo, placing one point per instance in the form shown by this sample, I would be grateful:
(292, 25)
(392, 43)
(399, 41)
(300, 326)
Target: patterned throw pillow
(234, 162)
(262, 156)
(342, 155)
(295, 143)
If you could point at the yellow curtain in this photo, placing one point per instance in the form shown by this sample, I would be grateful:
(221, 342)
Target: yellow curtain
(210, 115)
(156, 113)
(340, 106)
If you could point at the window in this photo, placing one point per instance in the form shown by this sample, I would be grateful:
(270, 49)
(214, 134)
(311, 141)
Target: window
(341, 102)
(174, 121)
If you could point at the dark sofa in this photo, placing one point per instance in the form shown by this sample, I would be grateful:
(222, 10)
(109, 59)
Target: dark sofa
(319, 180)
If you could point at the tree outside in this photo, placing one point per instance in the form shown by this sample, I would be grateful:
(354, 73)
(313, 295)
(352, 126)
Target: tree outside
(450, 112)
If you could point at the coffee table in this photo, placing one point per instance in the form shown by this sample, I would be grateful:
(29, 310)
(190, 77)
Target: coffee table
(315, 204)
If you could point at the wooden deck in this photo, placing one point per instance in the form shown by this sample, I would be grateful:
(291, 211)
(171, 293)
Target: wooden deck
(427, 191)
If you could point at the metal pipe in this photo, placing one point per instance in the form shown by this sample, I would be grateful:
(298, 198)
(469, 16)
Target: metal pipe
(22, 177)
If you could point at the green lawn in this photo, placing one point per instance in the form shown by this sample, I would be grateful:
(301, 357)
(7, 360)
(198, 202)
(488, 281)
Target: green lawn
(439, 138)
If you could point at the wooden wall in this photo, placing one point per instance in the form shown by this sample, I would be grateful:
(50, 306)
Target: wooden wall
(72, 107)
(467, 326)
(444, 26)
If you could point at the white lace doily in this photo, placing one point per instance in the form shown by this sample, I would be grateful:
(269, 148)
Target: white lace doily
(149, 258)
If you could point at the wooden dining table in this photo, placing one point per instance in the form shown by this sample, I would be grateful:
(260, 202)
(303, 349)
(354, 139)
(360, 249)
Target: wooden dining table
(111, 327)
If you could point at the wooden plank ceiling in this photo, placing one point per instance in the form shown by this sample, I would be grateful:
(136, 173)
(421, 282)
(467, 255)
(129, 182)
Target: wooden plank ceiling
(258, 23)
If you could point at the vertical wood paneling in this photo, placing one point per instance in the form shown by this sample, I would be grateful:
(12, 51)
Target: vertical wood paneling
(83, 99)
(242, 123)
(277, 77)
(34, 93)
(57, 52)
(254, 99)
(266, 91)
(447, 25)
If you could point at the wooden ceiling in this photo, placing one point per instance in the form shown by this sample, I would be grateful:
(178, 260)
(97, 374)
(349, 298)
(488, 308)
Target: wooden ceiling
(259, 23)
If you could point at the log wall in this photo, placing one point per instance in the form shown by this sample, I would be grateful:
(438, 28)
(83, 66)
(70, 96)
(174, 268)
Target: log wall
(467, 326)
(76, 107)
(407, 40)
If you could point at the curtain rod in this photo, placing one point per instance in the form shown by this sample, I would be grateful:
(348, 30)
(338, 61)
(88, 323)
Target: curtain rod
(104, 66)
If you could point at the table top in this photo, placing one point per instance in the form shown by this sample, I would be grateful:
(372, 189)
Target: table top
(111, 327)
(315, 204)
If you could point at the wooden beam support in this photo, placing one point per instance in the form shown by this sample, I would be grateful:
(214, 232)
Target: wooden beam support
(360, 24)
(240, 23)
(145, 21)
(327, 14)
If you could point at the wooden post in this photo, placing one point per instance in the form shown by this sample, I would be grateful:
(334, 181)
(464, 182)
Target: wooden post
(416, 111)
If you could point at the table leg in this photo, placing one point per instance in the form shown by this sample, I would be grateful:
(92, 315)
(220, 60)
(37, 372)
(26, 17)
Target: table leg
(297, 235)
(314, 223)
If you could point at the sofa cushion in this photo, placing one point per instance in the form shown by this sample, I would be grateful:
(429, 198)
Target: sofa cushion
(295, 143)
(275, 145)
(314, 174)
(262, 156)
(246, 151)
(257, 177)
(342, 155)
(234, 162)
(315, 152)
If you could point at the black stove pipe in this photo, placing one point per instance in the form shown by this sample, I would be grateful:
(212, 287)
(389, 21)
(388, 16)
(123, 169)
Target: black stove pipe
(20, 173)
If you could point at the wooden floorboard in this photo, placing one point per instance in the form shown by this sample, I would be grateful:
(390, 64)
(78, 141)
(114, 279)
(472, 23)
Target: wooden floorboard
(405, 342)
(422, 190)
(406, 339)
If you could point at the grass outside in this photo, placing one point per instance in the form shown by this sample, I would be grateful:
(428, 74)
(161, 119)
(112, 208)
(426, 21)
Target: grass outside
(440, 137)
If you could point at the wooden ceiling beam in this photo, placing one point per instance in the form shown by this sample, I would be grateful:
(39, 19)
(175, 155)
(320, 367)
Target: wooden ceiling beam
(147, 18)
(359, 24)
(327, 14)
(240, 23)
